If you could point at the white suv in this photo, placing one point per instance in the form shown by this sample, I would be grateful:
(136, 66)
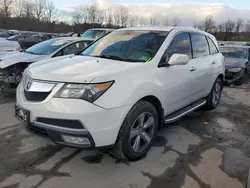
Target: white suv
(120, 90)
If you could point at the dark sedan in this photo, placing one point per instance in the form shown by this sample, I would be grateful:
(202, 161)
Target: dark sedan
(237, 60)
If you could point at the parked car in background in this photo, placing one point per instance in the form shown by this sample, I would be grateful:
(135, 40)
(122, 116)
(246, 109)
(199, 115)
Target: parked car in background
(16, 37)
(237, 63)
(121, 89)
(13, 65)
(96, 33)
(8, 46)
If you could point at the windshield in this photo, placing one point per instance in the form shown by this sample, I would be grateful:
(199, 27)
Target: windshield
(14, 37)
(48, 46)
(234, 52)
(128, 45)
(94, 34)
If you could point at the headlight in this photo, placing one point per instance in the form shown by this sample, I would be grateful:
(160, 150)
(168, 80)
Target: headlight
(88, 92)
(235, 70)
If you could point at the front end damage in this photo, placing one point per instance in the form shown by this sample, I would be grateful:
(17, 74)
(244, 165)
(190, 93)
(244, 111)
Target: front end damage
(12, 75)
(234, 77)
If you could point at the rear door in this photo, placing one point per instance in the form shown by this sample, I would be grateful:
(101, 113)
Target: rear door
(201, 65)
(217, 61)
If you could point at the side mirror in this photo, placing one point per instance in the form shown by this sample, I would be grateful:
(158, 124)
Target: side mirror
(178, 59)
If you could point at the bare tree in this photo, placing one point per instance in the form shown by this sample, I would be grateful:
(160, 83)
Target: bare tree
(49, 10)
(109, 17)
(92, 13)
(28, 9)
(247, 30)
(143, 21)
(176, 21)
(100, 16)
(124, 14)
(166, 21)
(208, 24)
(197, 25)
(18, 8)
(77, 17)
(39, 9)
(220, 28)
(238, 27)
(5, 8)
(229, 26)
(116, 15)
(132, 19)
(152, 21)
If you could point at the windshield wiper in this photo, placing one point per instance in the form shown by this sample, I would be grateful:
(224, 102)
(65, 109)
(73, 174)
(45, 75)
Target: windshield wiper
(118, 58)
(110, 57)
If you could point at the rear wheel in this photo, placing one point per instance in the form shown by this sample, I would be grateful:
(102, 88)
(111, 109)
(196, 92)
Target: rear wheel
(215, 94)
(137, 132)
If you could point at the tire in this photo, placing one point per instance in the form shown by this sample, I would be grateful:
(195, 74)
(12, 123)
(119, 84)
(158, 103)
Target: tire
(211, 101)
(125, 146)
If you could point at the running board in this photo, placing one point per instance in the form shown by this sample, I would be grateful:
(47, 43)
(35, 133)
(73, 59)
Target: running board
(184, 111)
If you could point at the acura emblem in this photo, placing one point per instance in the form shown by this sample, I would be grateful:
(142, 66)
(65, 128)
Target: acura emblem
(28, 85)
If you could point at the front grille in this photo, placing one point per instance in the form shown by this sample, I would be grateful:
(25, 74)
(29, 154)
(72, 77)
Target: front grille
(73, 124)
(35, 96)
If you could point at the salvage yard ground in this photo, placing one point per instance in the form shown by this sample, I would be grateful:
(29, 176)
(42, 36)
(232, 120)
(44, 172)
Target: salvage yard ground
(202, 150)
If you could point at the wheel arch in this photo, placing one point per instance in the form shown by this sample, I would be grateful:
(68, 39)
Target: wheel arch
(157, 104)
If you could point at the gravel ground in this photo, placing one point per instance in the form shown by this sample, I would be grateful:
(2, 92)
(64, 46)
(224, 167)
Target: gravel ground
(202, 150)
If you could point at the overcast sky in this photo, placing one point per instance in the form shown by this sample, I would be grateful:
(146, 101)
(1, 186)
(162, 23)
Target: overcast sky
(188, 11)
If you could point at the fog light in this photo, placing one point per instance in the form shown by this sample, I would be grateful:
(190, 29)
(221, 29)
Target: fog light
(76, 140)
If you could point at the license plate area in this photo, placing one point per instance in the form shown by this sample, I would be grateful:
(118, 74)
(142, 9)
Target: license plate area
(22, 115)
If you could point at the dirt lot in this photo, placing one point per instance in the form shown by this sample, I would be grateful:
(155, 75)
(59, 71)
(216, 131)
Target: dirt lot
(204, 149)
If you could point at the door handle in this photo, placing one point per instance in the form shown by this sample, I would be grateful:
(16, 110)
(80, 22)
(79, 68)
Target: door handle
(193, 69)
(214, 62)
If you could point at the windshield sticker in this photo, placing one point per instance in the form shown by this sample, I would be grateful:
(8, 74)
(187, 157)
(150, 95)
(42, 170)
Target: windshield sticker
(149, 59)
(145, 58)
(60, 42)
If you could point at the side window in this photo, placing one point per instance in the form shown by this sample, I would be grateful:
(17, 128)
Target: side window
(180, 45)
(213, 48)
(70, 49)
(200, 45)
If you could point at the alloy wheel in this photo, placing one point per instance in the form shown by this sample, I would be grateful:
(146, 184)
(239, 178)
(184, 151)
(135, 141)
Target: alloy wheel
(142, 132)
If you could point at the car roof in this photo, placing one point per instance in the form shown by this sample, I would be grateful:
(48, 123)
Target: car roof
(163, 28)
(105, 29)
(234, 46)
(74, 38)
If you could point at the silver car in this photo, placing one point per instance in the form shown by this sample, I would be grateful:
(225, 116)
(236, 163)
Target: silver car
(13, 65)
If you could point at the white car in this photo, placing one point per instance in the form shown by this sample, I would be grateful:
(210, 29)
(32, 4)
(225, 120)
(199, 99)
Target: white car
(7, 47)
(96, 33)
(122, 88)
(13, 65)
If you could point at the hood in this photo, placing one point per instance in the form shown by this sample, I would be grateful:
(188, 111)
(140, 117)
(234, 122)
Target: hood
(235, 62)
(79, 69)
(17, 57)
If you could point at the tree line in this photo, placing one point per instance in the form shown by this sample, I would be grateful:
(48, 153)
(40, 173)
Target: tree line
(39, 15)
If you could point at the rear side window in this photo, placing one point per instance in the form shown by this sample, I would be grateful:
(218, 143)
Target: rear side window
(200, 45)
(180, 45)
(213, 49)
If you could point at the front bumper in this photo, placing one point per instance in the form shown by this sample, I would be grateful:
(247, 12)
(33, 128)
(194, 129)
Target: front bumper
(232, 77)
(101, 126)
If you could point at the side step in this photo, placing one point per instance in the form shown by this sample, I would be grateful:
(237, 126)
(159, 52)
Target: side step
(184, 111)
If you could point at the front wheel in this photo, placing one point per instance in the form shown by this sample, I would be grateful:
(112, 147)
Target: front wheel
(137, 132)
(215, 94)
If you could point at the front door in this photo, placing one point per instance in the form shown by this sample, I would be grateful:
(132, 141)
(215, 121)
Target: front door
(179, 81)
